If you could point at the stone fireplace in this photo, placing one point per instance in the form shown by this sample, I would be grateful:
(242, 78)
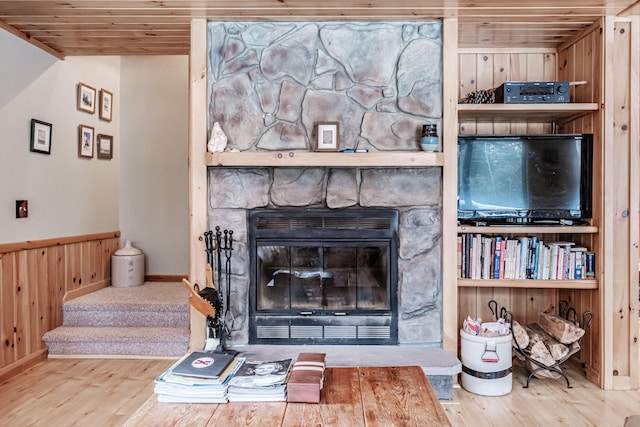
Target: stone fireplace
(269, 83)
(415, 194)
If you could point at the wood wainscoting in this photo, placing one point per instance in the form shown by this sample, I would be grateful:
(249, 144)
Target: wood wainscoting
(35, 278)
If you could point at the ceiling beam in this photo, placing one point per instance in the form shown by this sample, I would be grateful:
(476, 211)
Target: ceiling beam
(33, 41)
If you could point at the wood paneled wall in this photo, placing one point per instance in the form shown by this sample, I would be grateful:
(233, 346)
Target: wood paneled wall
(582, 60)
(35, 278)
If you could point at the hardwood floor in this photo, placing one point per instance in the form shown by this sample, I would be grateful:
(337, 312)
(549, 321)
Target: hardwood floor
(78, 392)
(96, 392)
(547, 402)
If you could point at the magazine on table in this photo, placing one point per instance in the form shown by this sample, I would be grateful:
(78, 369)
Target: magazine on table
(186, 389)
(169, 377)
(261, 374)
(188, 399)
(203, 364)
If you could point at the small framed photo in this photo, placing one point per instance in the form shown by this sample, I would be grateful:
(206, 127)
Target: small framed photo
(105, 146)
(41, 136)
(85, 141)
(86, 98)
(106, 105)
(327, 136)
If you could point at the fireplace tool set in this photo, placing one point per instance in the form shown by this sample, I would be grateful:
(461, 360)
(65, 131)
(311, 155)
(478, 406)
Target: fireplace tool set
(211, 301)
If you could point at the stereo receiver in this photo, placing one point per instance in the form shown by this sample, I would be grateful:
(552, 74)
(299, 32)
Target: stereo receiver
(532, 93)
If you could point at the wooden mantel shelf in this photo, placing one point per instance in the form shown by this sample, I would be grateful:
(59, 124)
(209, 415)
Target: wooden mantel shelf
(525, 112)
(315, 159)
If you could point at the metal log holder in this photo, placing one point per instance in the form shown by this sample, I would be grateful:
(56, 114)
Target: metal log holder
(568, 313)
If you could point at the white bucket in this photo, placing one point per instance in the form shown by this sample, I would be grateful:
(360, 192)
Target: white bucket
(127, 267)
(486, 364)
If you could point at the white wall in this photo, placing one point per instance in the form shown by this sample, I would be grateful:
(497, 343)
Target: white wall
(142, 191)
(67, 195)
(154, 181)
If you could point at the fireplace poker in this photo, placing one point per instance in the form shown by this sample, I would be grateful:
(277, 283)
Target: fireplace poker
(225, 244)
(228, 251)
(208, 240)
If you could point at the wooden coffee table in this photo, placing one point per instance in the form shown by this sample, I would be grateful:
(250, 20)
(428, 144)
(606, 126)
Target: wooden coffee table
(354, 396)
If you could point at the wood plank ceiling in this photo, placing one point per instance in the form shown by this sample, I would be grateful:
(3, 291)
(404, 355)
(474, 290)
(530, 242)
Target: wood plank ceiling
(157, 27)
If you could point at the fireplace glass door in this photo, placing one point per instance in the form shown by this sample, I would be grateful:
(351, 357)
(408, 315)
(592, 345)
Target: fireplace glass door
(323, 276)
(314, 277)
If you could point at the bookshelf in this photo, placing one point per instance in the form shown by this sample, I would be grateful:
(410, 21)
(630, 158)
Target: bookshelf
(528, 283)
(528, 297)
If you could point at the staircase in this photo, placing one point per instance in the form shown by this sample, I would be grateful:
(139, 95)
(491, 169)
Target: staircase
(151, 320)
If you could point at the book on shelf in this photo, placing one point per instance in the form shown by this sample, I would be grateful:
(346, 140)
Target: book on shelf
(459, 257)
(590, 265)
(526, 257)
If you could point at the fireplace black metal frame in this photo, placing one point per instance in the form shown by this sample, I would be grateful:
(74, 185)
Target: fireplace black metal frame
(335, 227)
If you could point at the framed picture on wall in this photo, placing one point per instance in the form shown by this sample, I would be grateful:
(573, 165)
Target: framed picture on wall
(105, 146)
(327, 136)
(86, 98)
(106, 105)
(41, 136)
(85, 141)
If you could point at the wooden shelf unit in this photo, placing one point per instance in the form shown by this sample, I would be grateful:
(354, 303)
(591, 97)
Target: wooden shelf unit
(532, 113)
(320, 159)
(529, 229)
(526, 231)
(528, 297)
(529, 283)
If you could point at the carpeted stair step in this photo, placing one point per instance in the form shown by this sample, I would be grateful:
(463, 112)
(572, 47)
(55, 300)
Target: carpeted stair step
(147, 320)
(151, 304)
(125, 341)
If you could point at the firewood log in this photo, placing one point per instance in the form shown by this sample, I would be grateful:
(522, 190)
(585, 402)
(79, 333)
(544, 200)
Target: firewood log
(557, 350)
(540, 353)
(561, 329)
(520, 335)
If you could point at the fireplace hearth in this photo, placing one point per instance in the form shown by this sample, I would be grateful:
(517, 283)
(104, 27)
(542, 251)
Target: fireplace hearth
(323, 276)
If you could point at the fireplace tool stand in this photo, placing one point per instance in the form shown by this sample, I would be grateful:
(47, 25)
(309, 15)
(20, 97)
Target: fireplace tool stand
(219, 327)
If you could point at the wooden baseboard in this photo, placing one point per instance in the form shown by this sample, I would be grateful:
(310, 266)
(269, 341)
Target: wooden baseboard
(86, 290)
(23, 364)
(165, 277)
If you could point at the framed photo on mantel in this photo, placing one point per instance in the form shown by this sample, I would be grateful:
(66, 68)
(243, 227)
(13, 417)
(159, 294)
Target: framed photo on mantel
(327, 136)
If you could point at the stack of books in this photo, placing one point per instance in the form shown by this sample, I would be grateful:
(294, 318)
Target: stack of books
(527, 257)
(260, 382)
(198, 377)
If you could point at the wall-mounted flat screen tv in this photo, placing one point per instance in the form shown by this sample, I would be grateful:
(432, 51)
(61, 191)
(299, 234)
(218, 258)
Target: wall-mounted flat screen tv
(524, 178)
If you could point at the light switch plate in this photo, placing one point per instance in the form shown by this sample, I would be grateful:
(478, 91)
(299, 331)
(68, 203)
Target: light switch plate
(22, 208)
